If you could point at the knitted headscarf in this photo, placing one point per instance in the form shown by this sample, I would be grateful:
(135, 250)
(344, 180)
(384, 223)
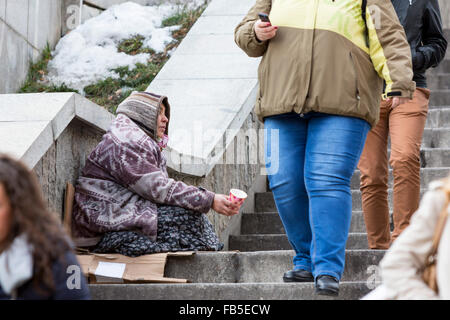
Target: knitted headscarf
(143, 108)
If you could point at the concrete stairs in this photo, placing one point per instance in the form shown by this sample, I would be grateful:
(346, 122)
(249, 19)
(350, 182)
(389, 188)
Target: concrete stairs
(263, 230)
(262, 253)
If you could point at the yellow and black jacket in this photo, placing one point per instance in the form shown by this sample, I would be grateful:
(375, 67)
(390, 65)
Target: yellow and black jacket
(327, 58)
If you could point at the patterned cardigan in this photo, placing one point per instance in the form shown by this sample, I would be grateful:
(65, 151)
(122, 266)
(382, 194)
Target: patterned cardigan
(124, 179)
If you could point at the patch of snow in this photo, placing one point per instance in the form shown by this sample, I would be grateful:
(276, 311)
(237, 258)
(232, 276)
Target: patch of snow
(88, 53)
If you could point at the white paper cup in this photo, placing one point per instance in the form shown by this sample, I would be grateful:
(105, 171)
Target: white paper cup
(237, 196)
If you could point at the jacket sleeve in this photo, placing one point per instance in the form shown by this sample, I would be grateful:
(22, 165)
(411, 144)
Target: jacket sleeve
(432, 52)
(68, 271)
(389, 49)
(244, 33)
(443, 264)
(401, 267)
(148, 180)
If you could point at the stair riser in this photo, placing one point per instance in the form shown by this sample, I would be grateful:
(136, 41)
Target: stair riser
(356, 241)
(438, 81)
(438, 118)
(435, 158)
(426, 176)
(270, 223)
(265, 203)
(443, 67)
(436, 138)
(248, 291)
(431, 158)
(264, 267)
(440, 98)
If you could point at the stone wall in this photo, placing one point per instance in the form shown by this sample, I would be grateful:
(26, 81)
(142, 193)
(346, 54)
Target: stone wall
(241, 175)
(25, 28)
(64, 161)
(445, 12)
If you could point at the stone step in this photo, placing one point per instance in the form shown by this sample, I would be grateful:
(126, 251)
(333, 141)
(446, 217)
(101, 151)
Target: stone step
(260, 266)
(264, 242)
(270, 223)
(440, 98)
(436, 138)
(224, 291)
(438, 81)
(264, 201)
(443, 67)
(438, 118)
(434, 157)
(426, 176)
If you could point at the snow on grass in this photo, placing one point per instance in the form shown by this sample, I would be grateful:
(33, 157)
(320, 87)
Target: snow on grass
(89, 53)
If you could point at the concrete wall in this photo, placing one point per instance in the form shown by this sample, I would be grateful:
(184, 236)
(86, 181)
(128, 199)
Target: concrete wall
(64, 161)
(445, 12)
(241, 174)
(25, 28)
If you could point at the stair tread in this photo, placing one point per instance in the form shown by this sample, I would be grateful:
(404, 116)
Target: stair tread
(349, 290)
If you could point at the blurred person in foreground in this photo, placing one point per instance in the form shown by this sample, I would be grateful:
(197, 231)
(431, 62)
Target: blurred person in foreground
(403, 264)
(35, 252)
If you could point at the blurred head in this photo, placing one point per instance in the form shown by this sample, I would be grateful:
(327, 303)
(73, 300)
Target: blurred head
(23, 211)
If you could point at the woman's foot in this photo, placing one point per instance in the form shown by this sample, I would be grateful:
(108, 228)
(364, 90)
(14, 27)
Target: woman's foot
(327, 285)
(298, 276)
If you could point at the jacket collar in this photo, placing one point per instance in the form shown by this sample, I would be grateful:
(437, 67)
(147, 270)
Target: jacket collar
(16, 265)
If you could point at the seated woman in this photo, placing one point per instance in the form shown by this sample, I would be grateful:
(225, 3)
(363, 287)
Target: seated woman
(36, 257)
(125, 201)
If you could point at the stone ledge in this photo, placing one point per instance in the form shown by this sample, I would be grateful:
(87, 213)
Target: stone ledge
(31, 123)
(223, 291)
(211, 89)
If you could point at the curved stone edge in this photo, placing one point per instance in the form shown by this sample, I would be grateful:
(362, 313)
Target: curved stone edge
(74, 106)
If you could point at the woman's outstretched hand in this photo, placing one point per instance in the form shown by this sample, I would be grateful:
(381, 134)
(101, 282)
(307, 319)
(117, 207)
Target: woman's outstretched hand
(222, 205)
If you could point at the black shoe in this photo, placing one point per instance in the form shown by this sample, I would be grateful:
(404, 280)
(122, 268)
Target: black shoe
(327, 285)
(298, 276)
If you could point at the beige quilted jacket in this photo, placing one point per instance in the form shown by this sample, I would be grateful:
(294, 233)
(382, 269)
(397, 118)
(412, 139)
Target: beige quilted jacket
(400, 268)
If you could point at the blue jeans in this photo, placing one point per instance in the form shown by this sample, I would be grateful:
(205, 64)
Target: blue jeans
(309, 168)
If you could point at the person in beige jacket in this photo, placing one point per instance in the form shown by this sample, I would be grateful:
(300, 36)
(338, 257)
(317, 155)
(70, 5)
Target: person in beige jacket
(402, 266)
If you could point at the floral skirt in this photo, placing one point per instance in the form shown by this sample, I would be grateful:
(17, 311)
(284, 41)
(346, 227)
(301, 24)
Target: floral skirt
(179, 229)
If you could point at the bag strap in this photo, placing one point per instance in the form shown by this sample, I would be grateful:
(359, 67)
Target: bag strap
(364, 17)
(439, 229)
(364, 9)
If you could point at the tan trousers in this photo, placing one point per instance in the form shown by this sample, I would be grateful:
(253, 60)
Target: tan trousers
(405, 125)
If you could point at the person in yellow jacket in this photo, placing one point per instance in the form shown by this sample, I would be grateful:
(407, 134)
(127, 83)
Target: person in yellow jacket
(320, 77)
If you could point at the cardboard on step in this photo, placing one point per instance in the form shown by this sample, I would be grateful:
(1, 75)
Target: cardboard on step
(117, 268)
